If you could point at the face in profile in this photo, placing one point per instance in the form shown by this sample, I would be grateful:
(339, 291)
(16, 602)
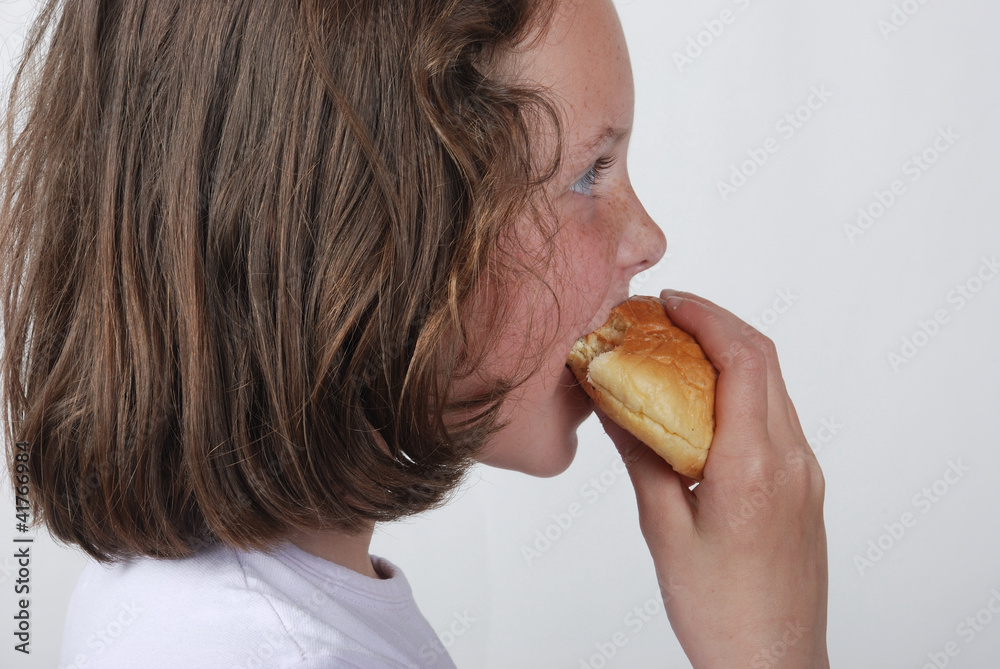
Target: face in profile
(605, 236)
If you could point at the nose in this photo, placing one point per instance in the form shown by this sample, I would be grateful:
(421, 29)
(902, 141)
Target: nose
(644, 243)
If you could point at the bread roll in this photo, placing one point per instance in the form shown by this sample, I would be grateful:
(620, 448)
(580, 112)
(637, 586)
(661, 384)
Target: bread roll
(653, 379)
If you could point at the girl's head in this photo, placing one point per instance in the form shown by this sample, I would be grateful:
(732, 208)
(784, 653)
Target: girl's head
(604, 236)
(273, 264)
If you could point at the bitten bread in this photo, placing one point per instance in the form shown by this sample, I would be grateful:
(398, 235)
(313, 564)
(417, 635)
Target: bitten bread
(653, 379)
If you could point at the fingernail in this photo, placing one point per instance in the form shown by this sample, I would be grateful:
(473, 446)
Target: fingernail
(673, 302)
(667, 292)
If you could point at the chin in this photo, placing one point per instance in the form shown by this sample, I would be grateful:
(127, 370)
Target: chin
(534, 460)
(554, 462)
(545, 443)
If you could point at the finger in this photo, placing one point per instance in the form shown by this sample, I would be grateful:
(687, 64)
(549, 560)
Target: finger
(779, 403)
(661, 494)
(741, 394)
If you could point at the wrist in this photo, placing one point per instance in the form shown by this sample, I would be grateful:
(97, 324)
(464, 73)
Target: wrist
(805, 659)
(792, 646)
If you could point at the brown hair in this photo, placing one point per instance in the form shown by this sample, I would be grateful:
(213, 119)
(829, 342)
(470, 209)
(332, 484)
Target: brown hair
(240, 240)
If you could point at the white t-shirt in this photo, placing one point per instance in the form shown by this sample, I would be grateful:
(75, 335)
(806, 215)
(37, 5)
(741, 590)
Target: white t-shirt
(230, 609)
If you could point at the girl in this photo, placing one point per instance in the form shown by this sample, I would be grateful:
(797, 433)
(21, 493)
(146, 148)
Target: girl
(278, 270)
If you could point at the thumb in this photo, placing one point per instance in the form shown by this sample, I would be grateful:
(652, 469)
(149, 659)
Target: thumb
(665, 503)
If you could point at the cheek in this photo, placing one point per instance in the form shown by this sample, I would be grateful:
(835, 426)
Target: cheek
(589, 265)
(593, 234)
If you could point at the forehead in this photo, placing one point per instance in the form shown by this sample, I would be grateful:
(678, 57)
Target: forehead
(583, 61)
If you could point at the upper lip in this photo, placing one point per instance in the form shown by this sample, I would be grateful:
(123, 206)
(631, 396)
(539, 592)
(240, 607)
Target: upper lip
(604, 319)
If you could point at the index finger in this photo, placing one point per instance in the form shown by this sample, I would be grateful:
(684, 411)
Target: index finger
(779, 402)
(741, 394)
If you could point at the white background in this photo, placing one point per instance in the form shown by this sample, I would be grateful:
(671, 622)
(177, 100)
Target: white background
(847, 303)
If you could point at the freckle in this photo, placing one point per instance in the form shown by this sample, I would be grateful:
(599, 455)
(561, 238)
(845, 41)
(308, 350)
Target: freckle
(618, 205)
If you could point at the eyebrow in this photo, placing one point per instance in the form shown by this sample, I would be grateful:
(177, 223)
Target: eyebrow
(615, 134)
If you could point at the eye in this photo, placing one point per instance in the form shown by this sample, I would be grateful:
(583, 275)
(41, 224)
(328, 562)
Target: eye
(586, 183)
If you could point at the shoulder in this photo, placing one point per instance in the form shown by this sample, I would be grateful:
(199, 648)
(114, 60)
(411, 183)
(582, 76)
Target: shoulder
(198, 610)
(230, 608)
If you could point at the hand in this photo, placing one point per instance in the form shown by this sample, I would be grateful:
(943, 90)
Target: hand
(741, 558)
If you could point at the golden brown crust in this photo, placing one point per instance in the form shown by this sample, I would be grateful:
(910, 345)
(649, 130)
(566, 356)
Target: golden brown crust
(653, 379)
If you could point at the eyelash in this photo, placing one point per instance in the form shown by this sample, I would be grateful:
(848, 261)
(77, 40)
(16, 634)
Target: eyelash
(594, 174)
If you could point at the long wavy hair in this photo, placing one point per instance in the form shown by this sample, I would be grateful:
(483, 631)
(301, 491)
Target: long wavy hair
(239, 244)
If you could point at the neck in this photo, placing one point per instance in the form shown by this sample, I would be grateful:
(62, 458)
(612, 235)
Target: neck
(348, 550)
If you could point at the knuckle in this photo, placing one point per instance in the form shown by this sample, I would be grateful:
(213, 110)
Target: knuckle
(817, 486)
(807, 475)
(774, 491)
(747, 358)
(763, 342)
(756, 471)
(767, 345)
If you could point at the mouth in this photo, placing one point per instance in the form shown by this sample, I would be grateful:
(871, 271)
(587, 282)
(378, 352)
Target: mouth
(574, 389)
